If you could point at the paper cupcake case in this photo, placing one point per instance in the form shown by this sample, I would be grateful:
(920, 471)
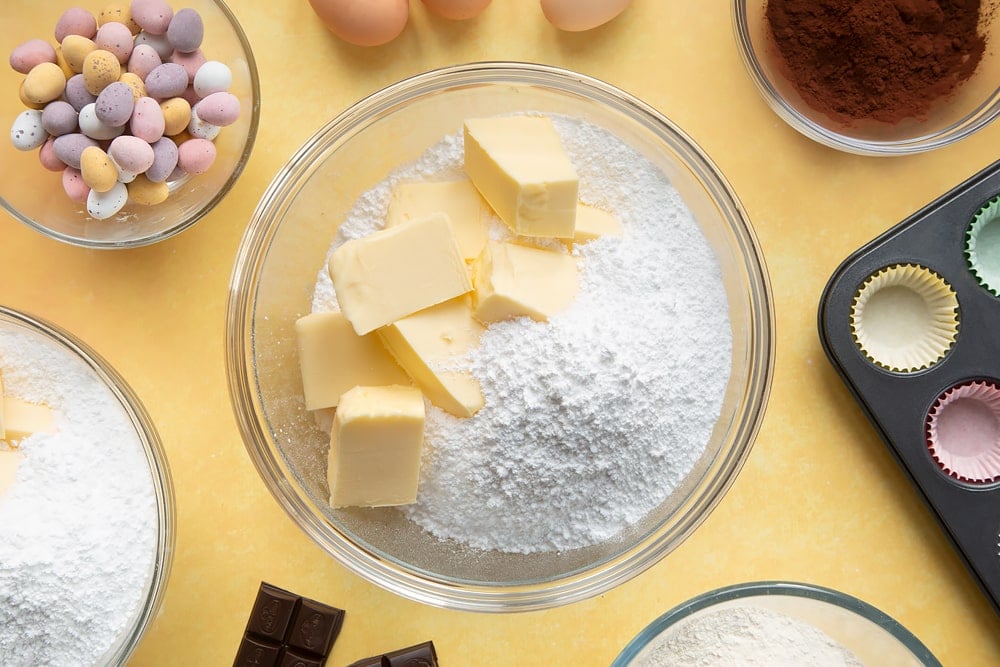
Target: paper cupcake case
(923, 260)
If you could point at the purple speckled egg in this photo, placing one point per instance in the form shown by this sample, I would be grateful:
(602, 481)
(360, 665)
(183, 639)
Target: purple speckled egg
(186, 30)
(164, 160)
(33, 52)
(167, 80)
(147, 120)
(131, 153)
(69, 148)
(116, 38)
(195, 156)
(77, 94)
(73, 184)
(59, 118)
(219, 109)
(153, 16)
(76, 21)
(114, 104)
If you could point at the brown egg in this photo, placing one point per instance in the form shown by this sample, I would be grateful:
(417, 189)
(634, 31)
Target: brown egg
(457, 9)
(363, 22)
(578, 15)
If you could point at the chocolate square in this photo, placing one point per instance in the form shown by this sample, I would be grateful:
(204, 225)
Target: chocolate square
(272, 613)
(257, 653)
(315, 627)
(292, 659)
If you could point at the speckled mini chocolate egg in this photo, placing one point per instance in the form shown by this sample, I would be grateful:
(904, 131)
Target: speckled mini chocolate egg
(212, 77)
(144, 59)
(220, 109)
(44, 83)
(145, 192)
(59, 118)
(167, 80)
(158, 43)
(25, 101)
(116, 38)
(195, 156)
(153, 16)
(98, 171)
(186, 30)
(70, 147)
(100, 69)
(134, 82)
(191, 62)
(103, 205)
(63, 65)
(114, 105)
(201, 129)
(118, 13)
(47, 156)
(176, 115)
(75, 21)
(75, 49)
(73, 185)
(147, 121)
(26, 132)
(131, 153)
(164, 160)
(94, 127)
(77, 94)
(33, 52)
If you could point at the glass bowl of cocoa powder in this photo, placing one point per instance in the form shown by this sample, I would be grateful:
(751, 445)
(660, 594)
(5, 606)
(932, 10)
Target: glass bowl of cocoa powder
(876, 77)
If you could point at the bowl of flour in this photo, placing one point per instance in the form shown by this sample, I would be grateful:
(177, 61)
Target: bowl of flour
(86, 504)
(609, 432)
(768, 623)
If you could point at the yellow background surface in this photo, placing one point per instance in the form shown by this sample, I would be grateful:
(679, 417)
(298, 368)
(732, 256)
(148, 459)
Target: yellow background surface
(820, 499)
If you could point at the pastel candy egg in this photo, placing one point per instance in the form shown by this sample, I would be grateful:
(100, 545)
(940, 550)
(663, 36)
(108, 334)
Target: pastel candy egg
(75, 21)
(212, 77)
(44, 83)
(25, 101)
(63, 65)
(147, 122)
(47, 156)
(219, 109)
(153, 16)
(131, 153)
(167, 80)
(98, 172)
(26, 132)
(70, 147)
(176, 115)
(94, 127)
(199, 128)
(59, 118)
(158, 43)
(116, 38)
(124, 175)
(33, 52)
(116, 13)
(191, 62)
(144, 59)
(76, 92)
(100, 69)
(103, 205)
(186, 30)
(75, 49)
(134, 83)
(73, 185)
(164, 160)
(114, 105)
(195, 156)
(146, 192)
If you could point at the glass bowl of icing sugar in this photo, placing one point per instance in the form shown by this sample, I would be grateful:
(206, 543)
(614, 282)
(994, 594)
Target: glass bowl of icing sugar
(607, 434)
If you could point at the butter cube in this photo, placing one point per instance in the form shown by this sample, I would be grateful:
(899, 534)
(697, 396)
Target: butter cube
(397, 271)
(519, 165)
(593, 223)
(426, 342)
(375, 446)
(333, 359)
(459, 200)
(513, 280)
(9, 461)
(21, 419)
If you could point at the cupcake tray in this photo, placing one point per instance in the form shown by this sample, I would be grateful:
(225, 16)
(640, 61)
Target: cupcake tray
(899, 403)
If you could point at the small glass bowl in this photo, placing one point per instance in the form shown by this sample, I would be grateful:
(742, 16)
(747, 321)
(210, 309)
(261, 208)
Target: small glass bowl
(272, 283)
(969, 109)
(34, 195)
(874, 637)
(48, 334)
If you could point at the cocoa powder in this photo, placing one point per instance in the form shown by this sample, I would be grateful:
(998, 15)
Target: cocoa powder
(876, 59)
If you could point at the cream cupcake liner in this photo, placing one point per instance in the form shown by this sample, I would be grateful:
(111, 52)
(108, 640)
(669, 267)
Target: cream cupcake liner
(982, 246)
(963, 432)
(905, 318)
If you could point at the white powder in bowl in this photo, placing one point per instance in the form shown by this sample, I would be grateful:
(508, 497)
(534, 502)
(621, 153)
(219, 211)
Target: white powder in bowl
(78, 528)
(594, 418)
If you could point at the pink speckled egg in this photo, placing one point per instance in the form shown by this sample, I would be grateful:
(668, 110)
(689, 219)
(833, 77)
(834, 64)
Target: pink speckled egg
(147, 120)
(195, 156)
(76, 21)
(28, 54)
(72, 182)
(220, 109)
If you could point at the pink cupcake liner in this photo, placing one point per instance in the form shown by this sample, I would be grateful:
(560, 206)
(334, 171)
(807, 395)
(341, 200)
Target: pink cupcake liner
(963, 432)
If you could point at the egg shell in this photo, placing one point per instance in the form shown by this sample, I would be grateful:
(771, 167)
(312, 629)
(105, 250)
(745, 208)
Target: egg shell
(579, 15)
(75, 49)
(59, 118)
(131, 153)
(146, 192)
(69, 148)
(116, 38)
(191, 62)
(94, 127)
(28, 54)
(75, 21)
(100, 69)
(220, 109)
(212, 77)
(363, 22)
(118, 13)
(195, 156)
(134, 83)
(153, 16)
(158, 43)
(186, 30)
(167, 80)
(47, 156)
(114, 105)
(98, 172)
(26, 132)
(164, 160)
(103, 205)
(44, 83)
(457, 10)
(76, 92)
(176, 115)
(200, 129)
(144, 59)
(25, 101)
(73, 185)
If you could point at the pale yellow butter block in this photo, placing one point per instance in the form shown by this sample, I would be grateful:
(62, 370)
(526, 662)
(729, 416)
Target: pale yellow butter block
(22, 419)
(519, 165)
(427, 342)
(9, 461)
(459, 200)
(375, 446)
(333, 358)
(395, 272)
(513, 280)
(593, 223)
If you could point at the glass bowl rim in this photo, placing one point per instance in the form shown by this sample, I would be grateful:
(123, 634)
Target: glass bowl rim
(977, 119)
(775, 588)
(205, 208)
(156, 458)
(415, 583)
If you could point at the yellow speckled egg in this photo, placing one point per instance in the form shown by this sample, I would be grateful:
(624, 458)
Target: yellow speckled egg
(98, 171)
(363, 22)
(578, 15)
(44, 83)
(75, 49)
(146, 192)
(63, 64)
(457, 9)
(100, 69)
(25, 101)
(176, 115)
(118, 13)
(134, 81)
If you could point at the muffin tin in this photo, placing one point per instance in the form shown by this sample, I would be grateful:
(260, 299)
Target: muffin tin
(938, 411)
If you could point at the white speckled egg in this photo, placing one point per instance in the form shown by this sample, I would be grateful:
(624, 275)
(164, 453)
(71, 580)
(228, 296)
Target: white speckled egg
(212, 77)
(93, 127)
(103, 205)
(27, 133)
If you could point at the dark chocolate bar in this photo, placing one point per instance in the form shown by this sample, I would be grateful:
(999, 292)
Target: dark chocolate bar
(419, 655)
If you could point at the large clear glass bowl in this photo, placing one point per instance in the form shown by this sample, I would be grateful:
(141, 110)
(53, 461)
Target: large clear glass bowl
(272, 284)
(49, 335)
(34, 195)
